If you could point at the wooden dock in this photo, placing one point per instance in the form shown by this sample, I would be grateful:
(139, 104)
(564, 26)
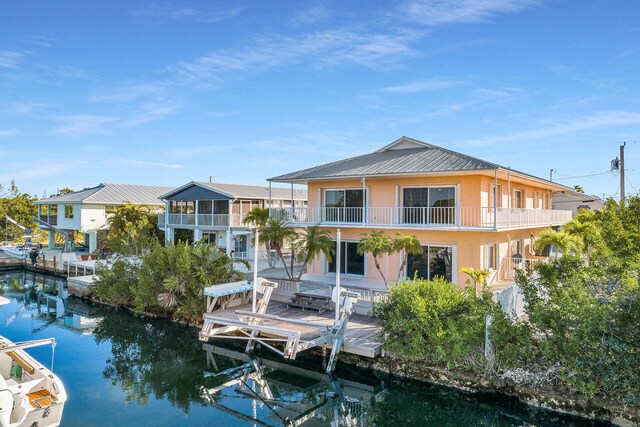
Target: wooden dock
(361, 336)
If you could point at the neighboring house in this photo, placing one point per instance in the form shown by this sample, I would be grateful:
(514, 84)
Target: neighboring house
(444, 198)
(573, 201)
(86, 211)
(215, 211)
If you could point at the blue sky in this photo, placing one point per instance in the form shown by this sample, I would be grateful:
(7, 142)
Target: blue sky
(169, 92)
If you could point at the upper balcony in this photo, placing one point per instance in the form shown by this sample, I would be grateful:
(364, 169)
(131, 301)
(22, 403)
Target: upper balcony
(445, 218)
(201, 220)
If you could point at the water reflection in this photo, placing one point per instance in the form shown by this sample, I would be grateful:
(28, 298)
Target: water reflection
(277, 393)
(162, 375)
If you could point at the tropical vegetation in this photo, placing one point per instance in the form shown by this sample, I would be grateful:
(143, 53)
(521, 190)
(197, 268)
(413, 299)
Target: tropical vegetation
(19, 206)
(168, 280)
(578, 332)
(133, 229)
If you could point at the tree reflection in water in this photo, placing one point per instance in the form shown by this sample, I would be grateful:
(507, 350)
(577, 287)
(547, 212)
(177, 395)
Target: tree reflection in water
(152, 357)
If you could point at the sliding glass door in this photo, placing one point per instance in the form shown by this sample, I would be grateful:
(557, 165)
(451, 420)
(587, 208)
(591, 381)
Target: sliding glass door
(429, 205)
(344, 205)
(351, 262)
(434, 261)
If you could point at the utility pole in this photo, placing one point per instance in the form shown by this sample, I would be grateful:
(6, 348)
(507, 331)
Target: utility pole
(551, 171)
(622, 172)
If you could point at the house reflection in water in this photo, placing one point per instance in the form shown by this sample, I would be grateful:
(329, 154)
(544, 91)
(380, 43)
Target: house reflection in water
(283, 394)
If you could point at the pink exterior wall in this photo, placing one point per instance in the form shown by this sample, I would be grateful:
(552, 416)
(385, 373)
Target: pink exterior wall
(472, 191)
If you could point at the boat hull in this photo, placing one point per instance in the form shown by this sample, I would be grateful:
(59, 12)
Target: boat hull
(49, 416)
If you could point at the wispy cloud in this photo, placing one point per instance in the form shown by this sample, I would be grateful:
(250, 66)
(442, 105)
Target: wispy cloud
(443, 12)
(316, 14)
(222, 113)
(6, 133)
(87, 124)
(22, 108)
(82, 124)
(148, 112)
(147, 164)
(69, 71)
(169, 11)
(11, 59)
(335, 46)
(38, 41)
(128, 93)
(594, 121)
(423, 86)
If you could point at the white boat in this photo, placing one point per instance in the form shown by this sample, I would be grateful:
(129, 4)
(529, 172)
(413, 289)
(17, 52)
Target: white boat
(30, 394)
(18, 251)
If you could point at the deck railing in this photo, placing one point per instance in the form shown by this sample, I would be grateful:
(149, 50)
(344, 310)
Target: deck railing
(202, 220)
(440, 217)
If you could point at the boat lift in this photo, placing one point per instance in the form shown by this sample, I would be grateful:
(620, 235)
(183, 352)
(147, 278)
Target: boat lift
(67, 242)
(295, 334)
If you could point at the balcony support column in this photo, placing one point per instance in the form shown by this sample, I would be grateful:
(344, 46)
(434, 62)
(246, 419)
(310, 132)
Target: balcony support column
(495, 200)
(166, 217)
(168, 234)
(396, 206)
(196, 213)
(509, 192)
(52, 239)
(292, 204)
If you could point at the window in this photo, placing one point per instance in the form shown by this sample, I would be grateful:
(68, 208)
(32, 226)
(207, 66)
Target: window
(432, 205)
(546, 201)
(351, 262)
(499, 196)
(518, 199)
(491, 256)
(344, 205)
(517, 248)
(68, 211)
(434, 261)
(537, 201)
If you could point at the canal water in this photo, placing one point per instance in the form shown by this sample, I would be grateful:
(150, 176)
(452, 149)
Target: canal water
(126, 370)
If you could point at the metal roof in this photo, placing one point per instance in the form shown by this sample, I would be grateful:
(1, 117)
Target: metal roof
(112, 194)
(403, 156)
(238, 191)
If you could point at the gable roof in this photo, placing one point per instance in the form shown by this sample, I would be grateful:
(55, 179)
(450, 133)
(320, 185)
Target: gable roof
(112, 194)
(238, 191)
(403, 156)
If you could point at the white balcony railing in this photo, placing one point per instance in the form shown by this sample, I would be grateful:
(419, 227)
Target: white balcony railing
(202, 220)
(436, 217)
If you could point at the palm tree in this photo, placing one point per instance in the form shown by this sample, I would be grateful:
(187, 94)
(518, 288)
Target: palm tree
(478, 276)
(377, 244)
(277, 234)
(560, 240)
(406, 245)
(314, 241)
(583, 228)
(258, 217)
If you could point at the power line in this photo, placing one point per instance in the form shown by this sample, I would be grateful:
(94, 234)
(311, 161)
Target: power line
(584, 176)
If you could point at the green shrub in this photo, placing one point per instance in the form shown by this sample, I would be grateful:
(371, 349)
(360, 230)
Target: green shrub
(115, 284)
(169, 280)
(584, 320)
(432, 321)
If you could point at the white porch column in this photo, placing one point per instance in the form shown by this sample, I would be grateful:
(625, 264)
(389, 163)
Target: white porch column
(396, 207)
(196, 218)
(52, 239)
(168, 234)
(197, 235)
(93, 241)
(495, 200)
(229, 248)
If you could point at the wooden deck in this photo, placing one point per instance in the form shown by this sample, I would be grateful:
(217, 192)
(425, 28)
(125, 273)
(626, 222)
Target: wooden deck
(361, 337)
(41, 398)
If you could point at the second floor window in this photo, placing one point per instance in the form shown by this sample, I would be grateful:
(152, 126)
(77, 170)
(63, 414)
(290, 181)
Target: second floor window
(429, 205)
(68, 211)
(344, 205)
(518, 199)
